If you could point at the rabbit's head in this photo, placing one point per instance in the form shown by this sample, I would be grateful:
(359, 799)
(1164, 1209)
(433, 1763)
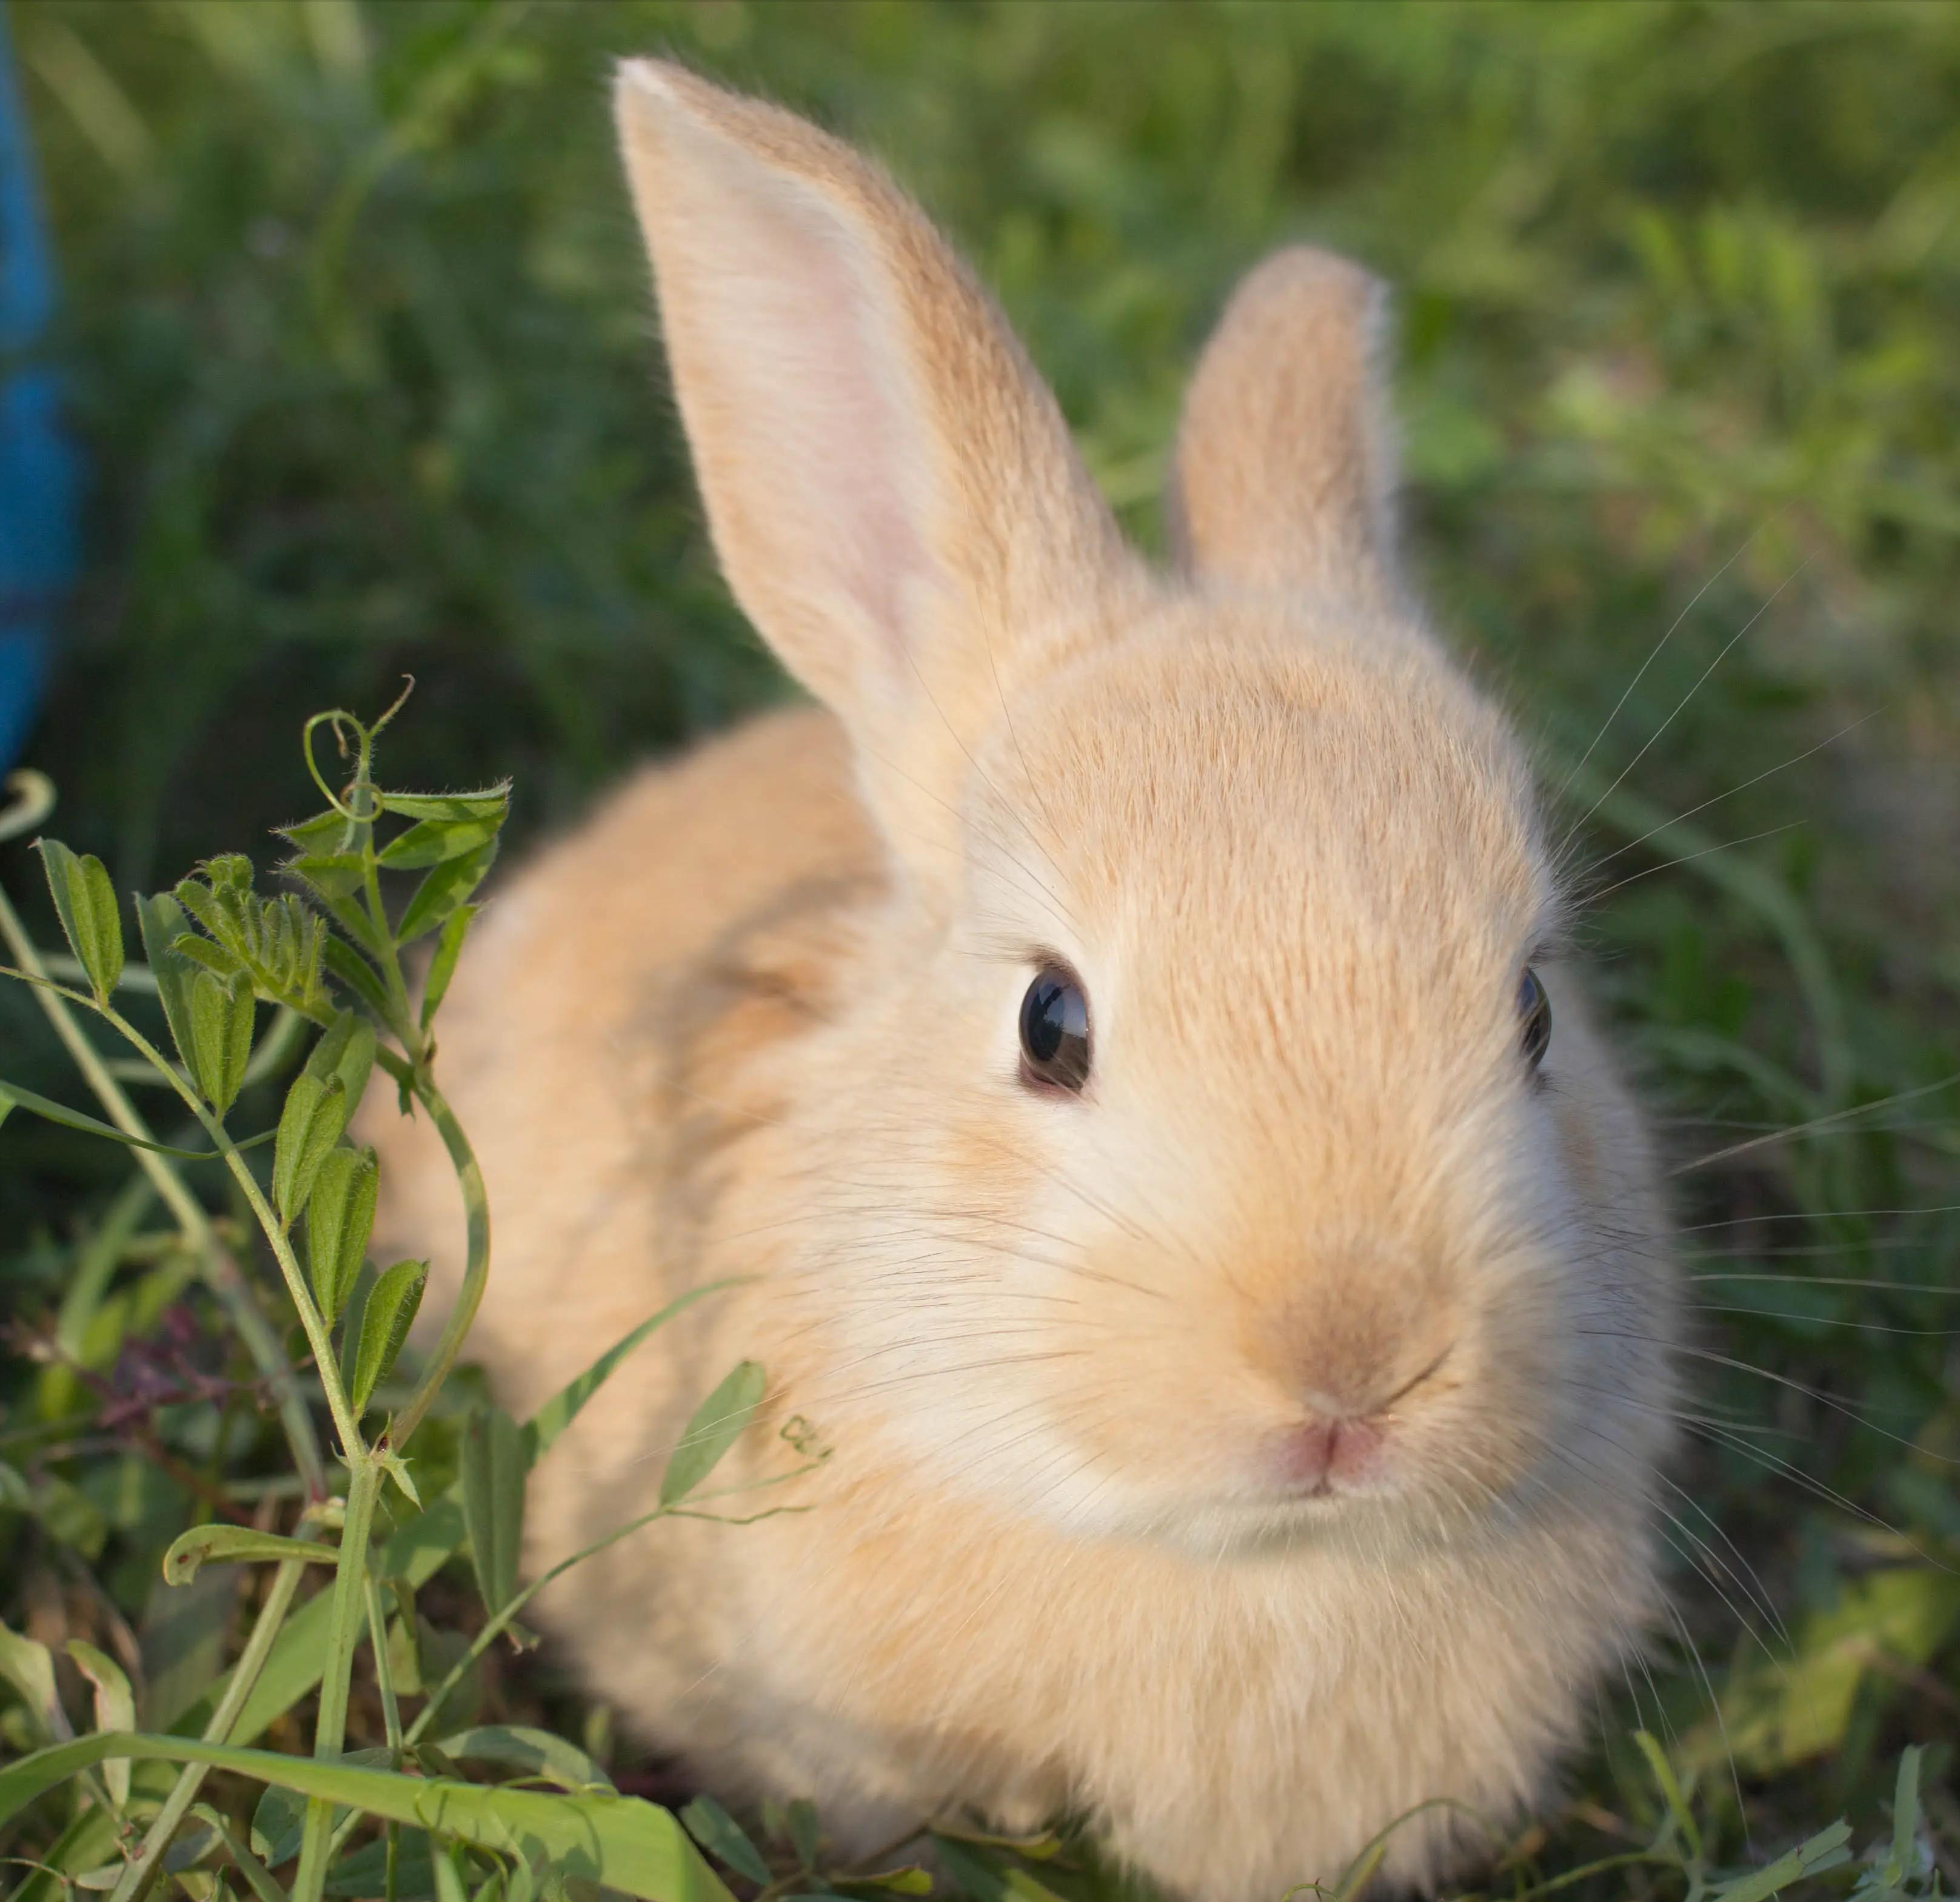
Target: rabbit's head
(1207, 1143)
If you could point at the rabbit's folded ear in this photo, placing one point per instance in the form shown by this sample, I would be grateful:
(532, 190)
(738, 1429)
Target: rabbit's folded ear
(893, 492)
(1284, 475)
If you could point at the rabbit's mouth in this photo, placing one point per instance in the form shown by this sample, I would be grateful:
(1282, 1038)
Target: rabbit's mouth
(1343, 1450)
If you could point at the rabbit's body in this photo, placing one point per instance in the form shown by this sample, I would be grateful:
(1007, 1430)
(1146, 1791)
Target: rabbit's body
(1244, 1439)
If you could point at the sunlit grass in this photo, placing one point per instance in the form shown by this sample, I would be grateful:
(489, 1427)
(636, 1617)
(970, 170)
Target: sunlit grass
(358, 342)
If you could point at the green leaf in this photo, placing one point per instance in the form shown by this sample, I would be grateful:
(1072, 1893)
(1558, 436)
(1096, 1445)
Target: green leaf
(278, 1821)
(972, 1869)
(432, 841)
(326, 833)
(30, 1668)
(340, 1217)
(800, 1822)
(183, 1634)
(228, 872)
(716, 1422)
(343, 962)
(62, 1511)
(332, 876)
(384, 1326)
(396, 1468)
(416, 1551)
(1782, 1711)
(353, 1315)
(345, 1050)
(494, 1468)
(721, 1835)
(363, 1872)
(215, 958)
(162, 922)
(621, 1842)
(298, 940)
(537, 1753)
(218, 907)
(86, 902)
(54, 1112)
(189, 1849)
(1670, 1789)
(442, 891)
(226, 1545)
(352, 917)
(449, 1886)
(1825, 1850)
(489, 802)
(563, 1406)
(911, 1880)
(1905, 1815)
(221, 1031)
(115, 1708)
(309, 1125)
(442, 966)
(256, 1876)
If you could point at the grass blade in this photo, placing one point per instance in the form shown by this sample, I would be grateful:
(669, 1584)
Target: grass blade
(494, 1468)
(622, 1842)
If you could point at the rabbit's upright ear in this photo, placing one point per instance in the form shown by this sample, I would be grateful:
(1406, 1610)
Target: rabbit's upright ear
(893, 492)
(1284, 475)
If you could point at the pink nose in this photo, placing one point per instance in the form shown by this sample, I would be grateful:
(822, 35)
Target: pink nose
(1328, 1451)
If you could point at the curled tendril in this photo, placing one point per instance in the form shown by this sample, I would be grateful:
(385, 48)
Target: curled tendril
(33, 800)
(340, 721)
(401, 700)
(339, 718)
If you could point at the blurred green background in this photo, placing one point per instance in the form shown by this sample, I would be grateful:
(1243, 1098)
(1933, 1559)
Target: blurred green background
(361, 348)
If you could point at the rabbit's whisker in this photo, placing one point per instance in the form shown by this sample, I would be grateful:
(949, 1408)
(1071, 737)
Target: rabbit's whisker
(1680, 705)
(1809, 1482)
(1830, 1281)
(1830, 1321)
(1688, 858)
(1654, 653)
(1830, 1121)
(1825, 1215)
(1795, 759)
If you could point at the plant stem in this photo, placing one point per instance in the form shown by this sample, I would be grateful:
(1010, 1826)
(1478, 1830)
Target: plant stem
(498, 1621)
(391, 1722)
(679, 1509)
(365, 806)
(350, 1586)
(476, 1271)
(244, 1675)
(220, 1272)
(317, 1336)
(377, 1639)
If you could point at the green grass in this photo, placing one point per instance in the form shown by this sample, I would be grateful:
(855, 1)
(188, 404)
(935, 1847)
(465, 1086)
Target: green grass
(359, 343)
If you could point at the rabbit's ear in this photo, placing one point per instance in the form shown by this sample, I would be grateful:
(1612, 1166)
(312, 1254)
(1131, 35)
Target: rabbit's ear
(893, 492)
(1284, 475)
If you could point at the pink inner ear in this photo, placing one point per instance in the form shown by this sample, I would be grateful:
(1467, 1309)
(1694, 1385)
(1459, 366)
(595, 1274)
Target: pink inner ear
(828, 484)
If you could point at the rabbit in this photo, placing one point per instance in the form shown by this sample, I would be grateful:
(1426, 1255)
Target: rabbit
(1122, 1046)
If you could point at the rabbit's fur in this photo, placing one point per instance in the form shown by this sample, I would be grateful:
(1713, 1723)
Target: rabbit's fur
(759, 1018)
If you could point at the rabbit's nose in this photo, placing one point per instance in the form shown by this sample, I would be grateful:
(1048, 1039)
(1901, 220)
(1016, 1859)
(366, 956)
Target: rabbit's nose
(1317, 1457)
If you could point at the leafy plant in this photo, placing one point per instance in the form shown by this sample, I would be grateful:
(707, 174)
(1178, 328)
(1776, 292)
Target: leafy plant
(330, 959)
(356, 337)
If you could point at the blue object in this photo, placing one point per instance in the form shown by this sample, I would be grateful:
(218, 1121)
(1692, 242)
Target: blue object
(38, 475)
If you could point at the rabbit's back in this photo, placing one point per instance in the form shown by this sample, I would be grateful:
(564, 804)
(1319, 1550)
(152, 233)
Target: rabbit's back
(609, 996)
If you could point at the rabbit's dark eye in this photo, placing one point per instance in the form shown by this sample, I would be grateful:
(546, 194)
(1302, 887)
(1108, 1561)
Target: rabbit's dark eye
(1054, 1031)
(1534, 1017)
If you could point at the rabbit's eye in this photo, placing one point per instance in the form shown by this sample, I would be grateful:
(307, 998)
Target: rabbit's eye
(1534, 1017)
(1054, 1031)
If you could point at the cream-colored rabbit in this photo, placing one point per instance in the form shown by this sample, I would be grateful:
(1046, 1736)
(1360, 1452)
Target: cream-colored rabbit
(1123, 1036)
